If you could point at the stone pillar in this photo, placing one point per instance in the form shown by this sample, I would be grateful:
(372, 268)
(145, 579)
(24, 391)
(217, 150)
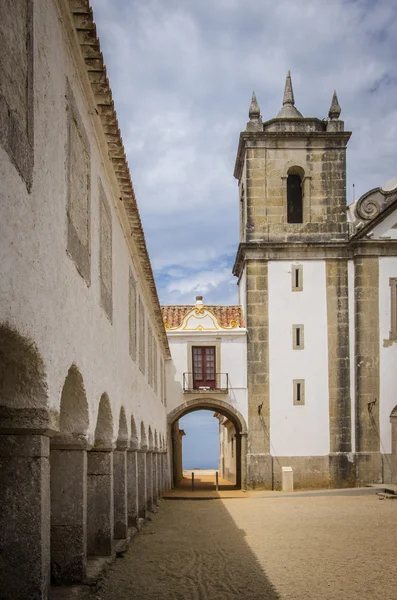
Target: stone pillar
(259, 461)
(132, 487)
(142, 501)
(100, 512)
(120, 493)
(366, 303)
(24, 517)
(155, 478)
(149, 480)
(341, 469)
(68, 513)
(160, 474)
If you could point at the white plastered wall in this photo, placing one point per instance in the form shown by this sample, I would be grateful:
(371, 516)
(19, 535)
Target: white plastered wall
(42, 295)
(298, 430)
(388, 351)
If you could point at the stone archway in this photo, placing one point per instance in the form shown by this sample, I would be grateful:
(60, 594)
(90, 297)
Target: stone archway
(225, 409)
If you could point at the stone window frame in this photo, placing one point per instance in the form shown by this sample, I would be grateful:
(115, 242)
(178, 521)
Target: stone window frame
(299, 392)
(154, 366)
(16, 141)
(80, 254)
(301, 344)
(393, 308)
(141, 335)
(162, 380)
(106, 295)
(132, 321)
(294, 281)
(149, 355)
(216, 345)
(295, 169)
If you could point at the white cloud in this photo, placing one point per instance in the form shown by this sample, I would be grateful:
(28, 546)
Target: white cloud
(182, 73)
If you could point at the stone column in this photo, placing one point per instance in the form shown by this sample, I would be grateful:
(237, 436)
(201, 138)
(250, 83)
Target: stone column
(341, 469)
(259, 461)
(132, 487)
(159, 474)
(149, 480)
(142, 501)
(366, 303)
(155, 478)
(24, 516)
(120, 492)
(68, 512)
(100, 512)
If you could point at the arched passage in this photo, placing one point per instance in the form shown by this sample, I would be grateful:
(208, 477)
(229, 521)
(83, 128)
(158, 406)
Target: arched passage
(228, 411)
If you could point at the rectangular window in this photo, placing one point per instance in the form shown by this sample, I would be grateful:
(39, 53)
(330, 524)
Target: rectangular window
(142, 348)
(105, 255)
(149, 355)
(132, 316)
(393, 307)
(299, 391)
(297, 337)
(297, 278)
(162, 380)
(203, 361)
(155, 364)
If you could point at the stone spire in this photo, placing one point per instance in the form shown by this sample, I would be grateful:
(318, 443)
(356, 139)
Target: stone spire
(254, 111)
(334, 109)
(288, 110)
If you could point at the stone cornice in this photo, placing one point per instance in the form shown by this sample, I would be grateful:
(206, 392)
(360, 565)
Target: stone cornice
(81, 19)
(253, 139)
(312, 251)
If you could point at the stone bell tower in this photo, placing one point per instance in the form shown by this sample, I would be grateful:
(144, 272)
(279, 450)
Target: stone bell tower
(291, 172)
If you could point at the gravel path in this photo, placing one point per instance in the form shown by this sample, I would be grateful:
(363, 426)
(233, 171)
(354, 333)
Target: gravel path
(262, 549)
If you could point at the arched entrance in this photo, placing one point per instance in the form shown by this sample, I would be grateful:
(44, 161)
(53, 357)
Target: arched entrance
(235, 417)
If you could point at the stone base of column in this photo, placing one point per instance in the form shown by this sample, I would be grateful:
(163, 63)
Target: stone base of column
(120, 494)
(141, 462)
(24, 517)
(149, 480)
(368, 467)
(100, 503)
(132, 488)
(342, 471)
(68, 515)
(259, 471)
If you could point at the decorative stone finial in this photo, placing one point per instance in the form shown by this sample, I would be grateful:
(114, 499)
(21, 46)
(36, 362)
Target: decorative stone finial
(254, 111)
(288, 110)
(288, 91)
(334, 109)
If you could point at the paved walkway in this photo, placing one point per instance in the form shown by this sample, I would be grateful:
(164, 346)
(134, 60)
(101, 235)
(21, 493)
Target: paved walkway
(287, 548)
(204, 487)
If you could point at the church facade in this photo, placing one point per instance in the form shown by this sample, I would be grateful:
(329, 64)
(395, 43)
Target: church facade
(317, 283)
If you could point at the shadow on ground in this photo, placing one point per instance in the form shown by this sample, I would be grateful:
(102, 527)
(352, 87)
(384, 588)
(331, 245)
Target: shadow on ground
(190, 550)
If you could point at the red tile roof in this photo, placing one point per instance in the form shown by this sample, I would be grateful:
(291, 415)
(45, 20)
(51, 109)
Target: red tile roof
(227, 316)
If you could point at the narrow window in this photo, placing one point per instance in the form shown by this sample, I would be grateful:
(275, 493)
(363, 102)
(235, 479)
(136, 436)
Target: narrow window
(232, 442)
(297, 337)
(297, 278)
(393, 307)
(299, 391)
(294, 199)
(142, 347)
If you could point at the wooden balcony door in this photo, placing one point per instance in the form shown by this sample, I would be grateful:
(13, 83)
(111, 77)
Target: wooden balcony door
(204, 374)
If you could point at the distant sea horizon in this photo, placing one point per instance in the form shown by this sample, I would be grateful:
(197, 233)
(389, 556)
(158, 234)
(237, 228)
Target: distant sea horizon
(206, 465)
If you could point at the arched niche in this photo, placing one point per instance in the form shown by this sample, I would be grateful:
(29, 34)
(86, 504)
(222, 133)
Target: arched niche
(143, 440)
(295, 178)
(134, 442)
(104, 425)
(73, 411)
(23, 384)
(122, 436)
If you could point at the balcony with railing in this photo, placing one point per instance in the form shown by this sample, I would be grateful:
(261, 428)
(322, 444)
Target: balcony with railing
(217, 384)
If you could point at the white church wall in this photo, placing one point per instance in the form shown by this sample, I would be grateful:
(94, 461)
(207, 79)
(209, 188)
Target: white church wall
(242, 292)
(386, 229)
(388, 351)
(43, 295)
(298, 430)
(233, 360)
(350, 272)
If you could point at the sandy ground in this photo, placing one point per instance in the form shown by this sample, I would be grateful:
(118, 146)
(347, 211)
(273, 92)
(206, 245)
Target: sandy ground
(301, 548)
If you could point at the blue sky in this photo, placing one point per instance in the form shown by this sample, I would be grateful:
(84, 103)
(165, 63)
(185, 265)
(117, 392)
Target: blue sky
(200, 449)
(182, 73)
